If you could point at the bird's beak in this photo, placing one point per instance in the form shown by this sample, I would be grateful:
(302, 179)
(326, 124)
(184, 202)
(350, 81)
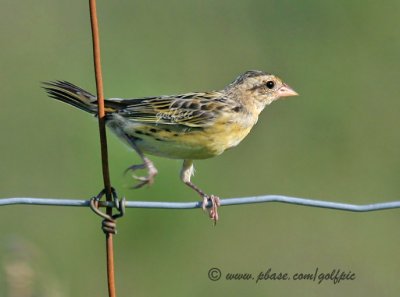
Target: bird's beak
(286, 91)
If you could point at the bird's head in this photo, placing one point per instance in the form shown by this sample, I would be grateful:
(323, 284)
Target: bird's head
(261, 87)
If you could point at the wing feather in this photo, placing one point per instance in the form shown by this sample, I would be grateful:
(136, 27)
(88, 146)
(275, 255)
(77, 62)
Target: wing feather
(191, 109)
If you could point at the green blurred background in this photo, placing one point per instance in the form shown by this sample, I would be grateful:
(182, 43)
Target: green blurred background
(338, 141)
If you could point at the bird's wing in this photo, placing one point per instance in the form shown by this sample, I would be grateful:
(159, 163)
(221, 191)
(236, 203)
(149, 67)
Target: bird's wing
(190, 110)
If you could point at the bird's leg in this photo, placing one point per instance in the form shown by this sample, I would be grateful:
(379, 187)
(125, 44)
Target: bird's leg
(147, 164)
(186, 173)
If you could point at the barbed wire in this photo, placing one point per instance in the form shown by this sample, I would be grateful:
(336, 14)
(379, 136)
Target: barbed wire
(192, 205)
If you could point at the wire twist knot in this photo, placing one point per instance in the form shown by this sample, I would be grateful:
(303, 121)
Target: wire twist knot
(109, 223)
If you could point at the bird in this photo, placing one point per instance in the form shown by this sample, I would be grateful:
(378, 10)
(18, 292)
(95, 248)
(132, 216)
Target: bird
(189, 126)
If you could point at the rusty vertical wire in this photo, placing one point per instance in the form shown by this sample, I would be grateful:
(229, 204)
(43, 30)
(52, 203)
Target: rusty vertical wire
(103, 141)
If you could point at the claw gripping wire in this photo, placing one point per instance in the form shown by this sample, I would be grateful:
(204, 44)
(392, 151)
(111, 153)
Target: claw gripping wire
(109, 224)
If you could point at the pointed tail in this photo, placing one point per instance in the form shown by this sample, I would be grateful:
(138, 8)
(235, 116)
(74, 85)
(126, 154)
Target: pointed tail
(72, 95)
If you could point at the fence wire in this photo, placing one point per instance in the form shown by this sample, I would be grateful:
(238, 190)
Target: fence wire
(198, 204)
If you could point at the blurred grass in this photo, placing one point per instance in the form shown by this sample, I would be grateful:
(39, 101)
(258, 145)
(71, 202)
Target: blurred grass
(338, 141)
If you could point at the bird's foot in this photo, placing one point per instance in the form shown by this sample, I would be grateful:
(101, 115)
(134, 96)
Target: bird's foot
(143, 180)
(213, 210)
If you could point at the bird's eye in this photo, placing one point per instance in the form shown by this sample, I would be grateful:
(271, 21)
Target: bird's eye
(270, 84)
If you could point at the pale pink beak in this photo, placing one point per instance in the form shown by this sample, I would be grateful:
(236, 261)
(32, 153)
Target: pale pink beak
(286, 91)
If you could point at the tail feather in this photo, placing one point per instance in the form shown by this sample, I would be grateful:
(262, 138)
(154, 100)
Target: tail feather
(72, 95)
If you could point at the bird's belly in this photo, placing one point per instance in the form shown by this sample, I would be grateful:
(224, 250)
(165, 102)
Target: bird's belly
(188, 144)
(194, 144)
(175, 149)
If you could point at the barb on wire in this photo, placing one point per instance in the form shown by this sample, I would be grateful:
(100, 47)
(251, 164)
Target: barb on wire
(224, 202)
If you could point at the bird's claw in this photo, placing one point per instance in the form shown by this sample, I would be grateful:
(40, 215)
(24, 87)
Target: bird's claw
(143, 180)
(213, 210)
(135, 167)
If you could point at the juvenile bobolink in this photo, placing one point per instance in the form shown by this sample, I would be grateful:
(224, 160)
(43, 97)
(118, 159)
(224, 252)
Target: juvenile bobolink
(189, 126)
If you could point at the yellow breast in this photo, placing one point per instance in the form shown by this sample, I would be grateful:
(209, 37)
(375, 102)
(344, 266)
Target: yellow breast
(192, 143)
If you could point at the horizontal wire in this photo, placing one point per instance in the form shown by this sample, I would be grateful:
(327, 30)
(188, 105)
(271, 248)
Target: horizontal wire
(191, 205)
